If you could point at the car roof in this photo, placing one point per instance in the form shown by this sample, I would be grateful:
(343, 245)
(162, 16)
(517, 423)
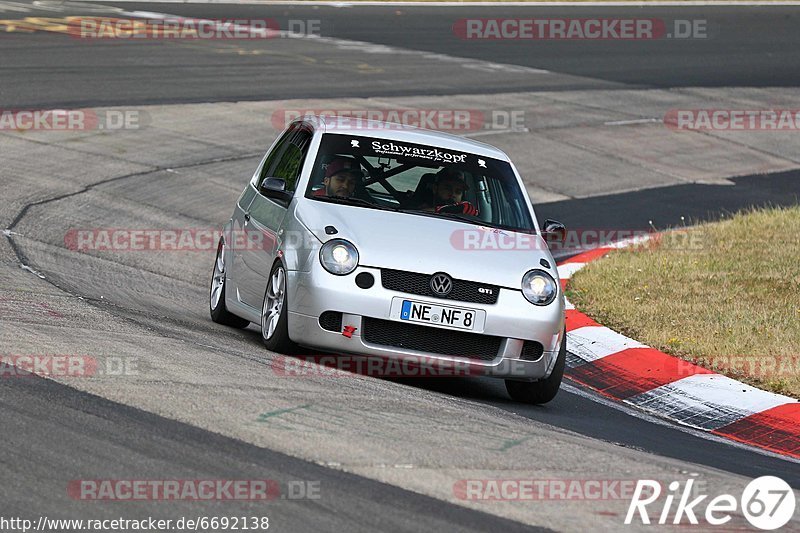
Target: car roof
(402, 132)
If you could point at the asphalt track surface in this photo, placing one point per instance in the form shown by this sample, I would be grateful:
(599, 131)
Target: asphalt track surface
(746, 47)
(88, 430)
(54, 433)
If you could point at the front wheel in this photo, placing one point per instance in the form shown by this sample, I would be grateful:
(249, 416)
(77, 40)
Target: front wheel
(542, 391)
(274, 314)
(216, 296)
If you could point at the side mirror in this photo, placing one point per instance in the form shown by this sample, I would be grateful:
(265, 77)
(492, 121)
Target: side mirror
(554, 232)
(275, 188)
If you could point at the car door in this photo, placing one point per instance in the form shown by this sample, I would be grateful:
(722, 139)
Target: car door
(234, 242)
(263, 220)
(237, 241)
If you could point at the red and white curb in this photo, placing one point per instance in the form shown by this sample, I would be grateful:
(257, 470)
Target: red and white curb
(626, 370)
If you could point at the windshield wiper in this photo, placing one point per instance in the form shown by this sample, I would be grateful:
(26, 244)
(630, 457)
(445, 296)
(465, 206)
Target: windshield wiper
(354, 201)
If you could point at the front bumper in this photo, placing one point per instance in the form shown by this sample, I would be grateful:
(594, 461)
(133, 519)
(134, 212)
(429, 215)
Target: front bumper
(512, 318)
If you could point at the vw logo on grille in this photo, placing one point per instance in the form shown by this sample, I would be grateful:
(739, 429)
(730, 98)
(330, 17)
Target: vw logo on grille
(441, 284)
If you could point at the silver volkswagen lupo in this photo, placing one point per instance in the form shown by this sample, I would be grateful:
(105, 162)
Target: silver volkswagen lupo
(381, 240)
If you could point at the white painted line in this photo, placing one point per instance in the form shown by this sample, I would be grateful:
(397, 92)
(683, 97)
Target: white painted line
(14, 6)
(627, 122)
(60, 6)
(32, 271)
(591, 343)
(495, 132)
(367, 47)
(568, 306)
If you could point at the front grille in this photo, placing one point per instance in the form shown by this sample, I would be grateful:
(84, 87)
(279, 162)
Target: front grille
(430, 340)
(414, 283)
(331, 320)
(531, 351)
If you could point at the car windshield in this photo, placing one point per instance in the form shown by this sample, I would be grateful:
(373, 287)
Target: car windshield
(423, 180)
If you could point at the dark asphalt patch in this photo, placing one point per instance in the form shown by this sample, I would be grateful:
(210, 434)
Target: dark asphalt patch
(665, 206)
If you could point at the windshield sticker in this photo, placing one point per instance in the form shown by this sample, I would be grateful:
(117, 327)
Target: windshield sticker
(431, 154)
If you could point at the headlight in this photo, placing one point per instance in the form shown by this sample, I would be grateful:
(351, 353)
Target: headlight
(338, 256)
(539, 287)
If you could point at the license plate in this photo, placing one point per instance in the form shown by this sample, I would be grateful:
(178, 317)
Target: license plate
(454, 317)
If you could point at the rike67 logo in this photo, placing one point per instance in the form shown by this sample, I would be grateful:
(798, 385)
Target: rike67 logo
(767, 503)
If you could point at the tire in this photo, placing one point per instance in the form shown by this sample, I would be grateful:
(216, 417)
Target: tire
(542, 391)
(216, 294)
(274, 314)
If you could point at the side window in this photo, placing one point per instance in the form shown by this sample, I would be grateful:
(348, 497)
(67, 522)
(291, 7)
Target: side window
(247, 196)
(286, 160)
(269, 162)
(288, 168)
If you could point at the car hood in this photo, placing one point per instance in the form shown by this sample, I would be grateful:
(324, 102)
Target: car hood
(418, 243)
